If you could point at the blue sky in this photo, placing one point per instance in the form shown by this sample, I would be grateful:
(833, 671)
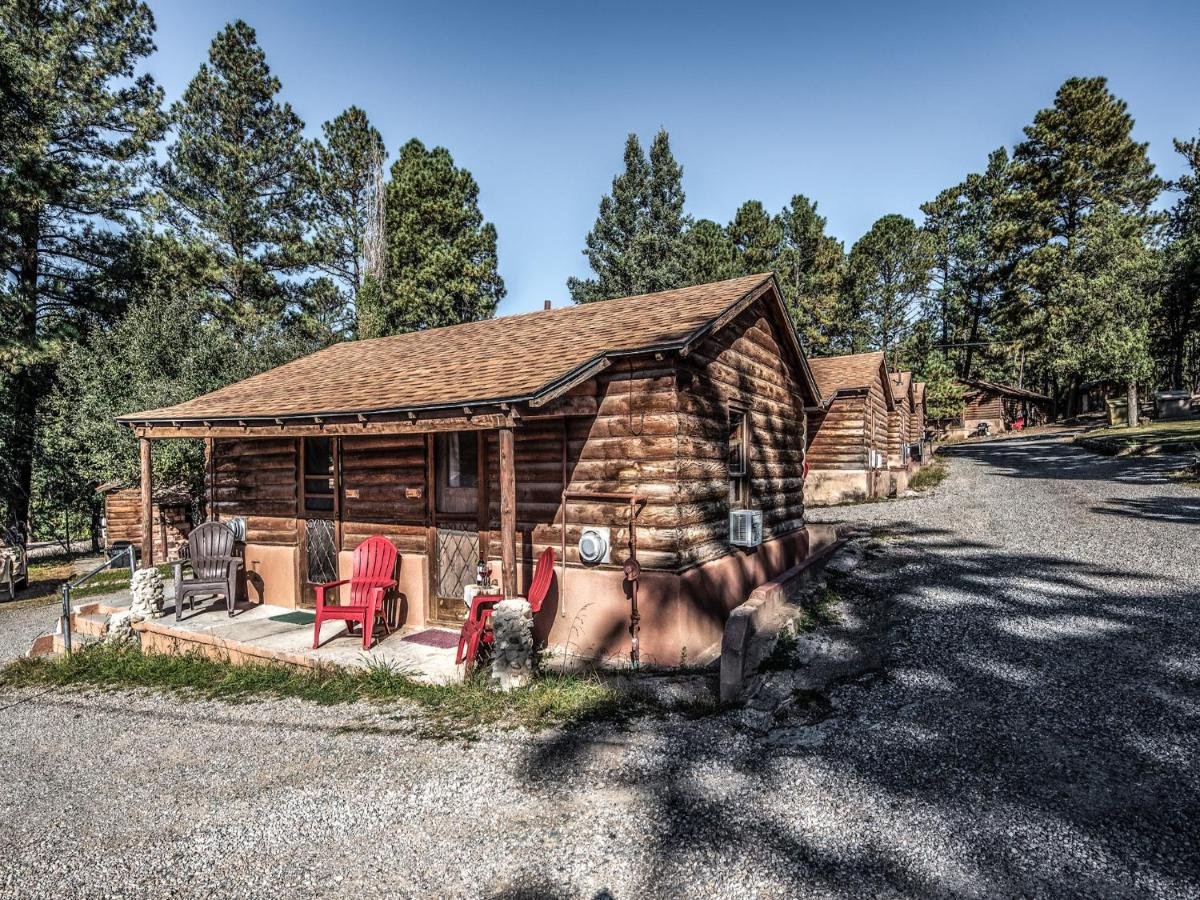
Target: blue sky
(868, 108)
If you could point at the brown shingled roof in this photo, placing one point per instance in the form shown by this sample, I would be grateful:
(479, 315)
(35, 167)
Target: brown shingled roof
(507, 359)
(855, 372)
(901, 383)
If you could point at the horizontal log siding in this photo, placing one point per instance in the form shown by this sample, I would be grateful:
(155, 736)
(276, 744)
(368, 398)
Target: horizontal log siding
(983, 406)
(877, 423)
(258, 480)
(742, 366)
(123, 522)
(899, 424)
(383, 470)
(916, 424)
(628, 446)
(838, 439)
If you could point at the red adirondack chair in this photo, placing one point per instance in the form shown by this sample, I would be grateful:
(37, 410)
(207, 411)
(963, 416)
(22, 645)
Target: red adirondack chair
(477, 629)
(374, 572)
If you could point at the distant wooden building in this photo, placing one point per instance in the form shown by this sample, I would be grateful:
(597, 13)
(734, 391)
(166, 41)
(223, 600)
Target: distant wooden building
(999, 406)
(849, 438)
(172, 515)
(917, 425)
(901, 463)
(668, 427)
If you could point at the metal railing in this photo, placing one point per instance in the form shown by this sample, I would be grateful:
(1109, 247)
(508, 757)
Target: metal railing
(109, 563)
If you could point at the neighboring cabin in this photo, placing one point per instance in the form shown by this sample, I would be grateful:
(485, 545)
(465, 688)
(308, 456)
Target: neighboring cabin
(851, 437)
(172, 515)
(500, 438)
(1000, 406)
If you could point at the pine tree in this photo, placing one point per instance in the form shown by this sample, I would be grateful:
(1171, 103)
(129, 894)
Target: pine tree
(638, 244)
(708, 254)
(1100, 312)
(970, 239)
(810, 267)
(441, 255)
(757, 237)
(1077, 155)
(77, 121)
(1179, 323)
(238, 179)
(889, 270)
(348, 174)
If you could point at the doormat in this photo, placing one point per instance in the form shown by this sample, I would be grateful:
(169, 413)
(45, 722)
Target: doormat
(432, 637)
(294, 618)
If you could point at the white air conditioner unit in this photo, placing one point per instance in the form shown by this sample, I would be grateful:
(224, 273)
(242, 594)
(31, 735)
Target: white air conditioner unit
(745, 527)
(595, 546)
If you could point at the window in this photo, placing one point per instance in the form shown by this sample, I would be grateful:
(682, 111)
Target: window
(738, 451)
(459, 459)
(319, 475)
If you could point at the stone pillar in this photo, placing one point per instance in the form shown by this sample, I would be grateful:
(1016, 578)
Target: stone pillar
(512, 627)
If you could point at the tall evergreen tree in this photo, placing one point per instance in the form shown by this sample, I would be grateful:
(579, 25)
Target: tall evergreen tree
(348, 177)
(238, 179)
(78, 121)
(1076, 156)
(441, 254)
(708, 253)
(1100, 310)
(757, 238)
(889, 270)
(1179, 324)
(638, 244)
(810, 267)
(971, 242)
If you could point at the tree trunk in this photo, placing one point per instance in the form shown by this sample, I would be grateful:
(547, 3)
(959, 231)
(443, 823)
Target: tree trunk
(25, 382)
(1133, 404)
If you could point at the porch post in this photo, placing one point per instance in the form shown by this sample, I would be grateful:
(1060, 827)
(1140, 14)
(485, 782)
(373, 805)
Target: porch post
(147, 504)
(508, 513)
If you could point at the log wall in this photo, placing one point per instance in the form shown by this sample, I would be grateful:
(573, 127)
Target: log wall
(256, 479)
(123, 522)
(743, 367)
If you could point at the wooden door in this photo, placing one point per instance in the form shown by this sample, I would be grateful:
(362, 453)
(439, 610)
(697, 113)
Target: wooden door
(455, 541)
(319, 514)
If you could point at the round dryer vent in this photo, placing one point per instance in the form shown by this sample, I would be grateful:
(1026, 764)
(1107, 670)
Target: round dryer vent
(595, 546)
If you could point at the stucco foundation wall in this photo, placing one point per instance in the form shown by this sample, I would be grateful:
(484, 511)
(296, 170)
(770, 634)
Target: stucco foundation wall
(824, 488)
(271, 573)
(682, 615)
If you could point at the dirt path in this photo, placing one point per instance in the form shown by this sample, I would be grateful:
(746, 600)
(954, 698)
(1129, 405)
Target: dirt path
(1035, 731)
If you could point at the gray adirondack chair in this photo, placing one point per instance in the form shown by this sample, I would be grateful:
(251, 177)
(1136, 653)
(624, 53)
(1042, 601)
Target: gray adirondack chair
(214, 566)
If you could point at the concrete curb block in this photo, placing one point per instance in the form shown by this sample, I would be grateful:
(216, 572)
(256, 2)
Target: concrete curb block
(752, 627)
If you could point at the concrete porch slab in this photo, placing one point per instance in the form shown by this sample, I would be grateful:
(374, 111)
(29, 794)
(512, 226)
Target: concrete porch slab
(255, 635)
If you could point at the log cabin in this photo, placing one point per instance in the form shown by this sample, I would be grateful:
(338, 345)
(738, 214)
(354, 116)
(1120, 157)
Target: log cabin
(171, 513)
(901, 462)
(998, 406)
(668, 427)
(917, 434)
(848, 437)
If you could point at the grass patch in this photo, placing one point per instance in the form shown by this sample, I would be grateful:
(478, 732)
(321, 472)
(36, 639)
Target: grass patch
(930, 476)
(819, 610)
(1167, 437)
(451, 710)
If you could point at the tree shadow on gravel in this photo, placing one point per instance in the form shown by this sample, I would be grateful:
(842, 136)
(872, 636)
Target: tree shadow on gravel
(1055, 458)
(1174, 510)
(1035, 725)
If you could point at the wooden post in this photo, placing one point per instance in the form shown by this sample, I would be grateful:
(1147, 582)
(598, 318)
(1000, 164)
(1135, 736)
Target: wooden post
(147, 504)
(508, 513)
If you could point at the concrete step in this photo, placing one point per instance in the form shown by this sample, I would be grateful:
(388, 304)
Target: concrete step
(93, 624)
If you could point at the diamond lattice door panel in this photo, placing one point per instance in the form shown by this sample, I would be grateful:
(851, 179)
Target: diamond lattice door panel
(457, 557)
(321, 563)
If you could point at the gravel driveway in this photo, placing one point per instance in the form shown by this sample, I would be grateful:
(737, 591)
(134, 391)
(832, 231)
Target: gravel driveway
(1033, 731)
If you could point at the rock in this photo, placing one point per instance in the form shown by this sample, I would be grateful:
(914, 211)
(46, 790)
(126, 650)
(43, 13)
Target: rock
(845, 560)
(512, 628)
(146, 587)
(120, 627)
